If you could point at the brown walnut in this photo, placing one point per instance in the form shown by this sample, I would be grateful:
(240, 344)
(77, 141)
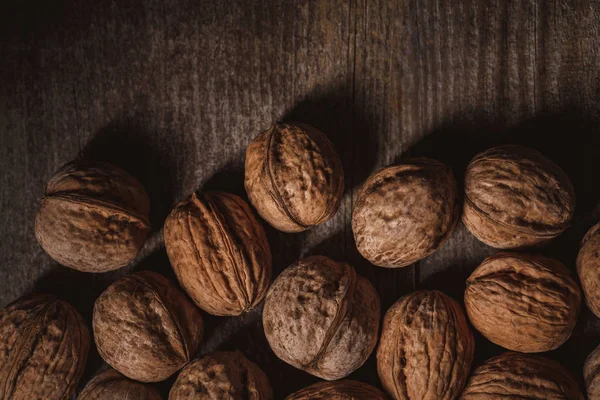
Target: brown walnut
(321, 317)
(112, 385)
(405, 212)
(521, 376)
(338, 390)
(222, 375)
(219, 252)
(591, 374)
(426, 348)
(44, 345)
(523, 302)
(145, 327)
(588, 268)
(93, 217)
(294, 177)
(515, 197)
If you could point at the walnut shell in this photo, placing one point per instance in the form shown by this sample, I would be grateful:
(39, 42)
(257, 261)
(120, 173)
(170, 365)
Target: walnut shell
(145, 327)
(93, 217)
(338, 390)
(44, 345)
(221, 375)
(591, 374)
(219, 252)
(515, 197)
(405, 212)
(588, 268)
(112, 385)
(521, 376)
(294, 177)
(321, 317)
(426, 348)
(523, 302)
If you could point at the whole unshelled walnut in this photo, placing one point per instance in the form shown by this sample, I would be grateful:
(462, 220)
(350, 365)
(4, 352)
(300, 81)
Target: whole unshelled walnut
(515, 197)
(112, 385)
(219, 252)
(321, 317)
(591, 374)
(338, 390)
(523, 302)
(93, 217)
(145, 327)
(221, 375)
(588, 268)
(426, 348)
(521, 376)
(294, 177)
(405, 212)
(44, 345)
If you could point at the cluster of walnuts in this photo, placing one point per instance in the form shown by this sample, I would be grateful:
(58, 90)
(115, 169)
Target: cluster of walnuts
(319, 315)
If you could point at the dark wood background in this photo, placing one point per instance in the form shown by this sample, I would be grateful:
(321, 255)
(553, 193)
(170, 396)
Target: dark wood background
(173, 91)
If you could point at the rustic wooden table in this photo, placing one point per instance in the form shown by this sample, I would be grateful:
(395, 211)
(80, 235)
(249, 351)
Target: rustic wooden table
(174, 91)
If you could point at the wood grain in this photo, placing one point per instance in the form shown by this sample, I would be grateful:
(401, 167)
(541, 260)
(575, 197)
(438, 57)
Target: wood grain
(174, 91)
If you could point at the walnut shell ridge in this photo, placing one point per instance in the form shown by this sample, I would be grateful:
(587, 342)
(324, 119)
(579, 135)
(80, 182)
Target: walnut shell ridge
(219, 252)
(405, 212)
(93, 217)
(515, 197)
(426, 348)
(319, 316)
(338, 390)
(145, 327)
(535, 294)
(521, 376)
(591, 374)
(293, 176)
(222, 375)
(112, 385)
(44, 345)
(588, 268)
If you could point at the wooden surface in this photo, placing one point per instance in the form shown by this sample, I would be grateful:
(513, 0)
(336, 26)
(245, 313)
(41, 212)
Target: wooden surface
(174, 91)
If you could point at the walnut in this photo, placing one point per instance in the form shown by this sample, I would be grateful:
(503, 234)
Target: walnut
(145, 327)
(523, 302)
(93, 217)
(515, 197)
(426, 348)
(521, 376)
(591, 374)
(338, 390)
(221, 375)
(219, 252)
(321, 317)
(405, 212)
(588, 265)
(110, 384)
(44, 345)
(294, 177)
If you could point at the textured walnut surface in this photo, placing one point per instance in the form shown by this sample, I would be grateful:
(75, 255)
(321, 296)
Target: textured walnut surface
(405, 212)
(426, 348)
(221, 376)
(112, 385)
(294, 177)
(338, 390)
(93, 217)
(521, 376)
(219, 252)
(516, 197)
(321, 317)
(588, 267)
(523, 302)
(145, 327)
(591, 374)
(44, 345)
